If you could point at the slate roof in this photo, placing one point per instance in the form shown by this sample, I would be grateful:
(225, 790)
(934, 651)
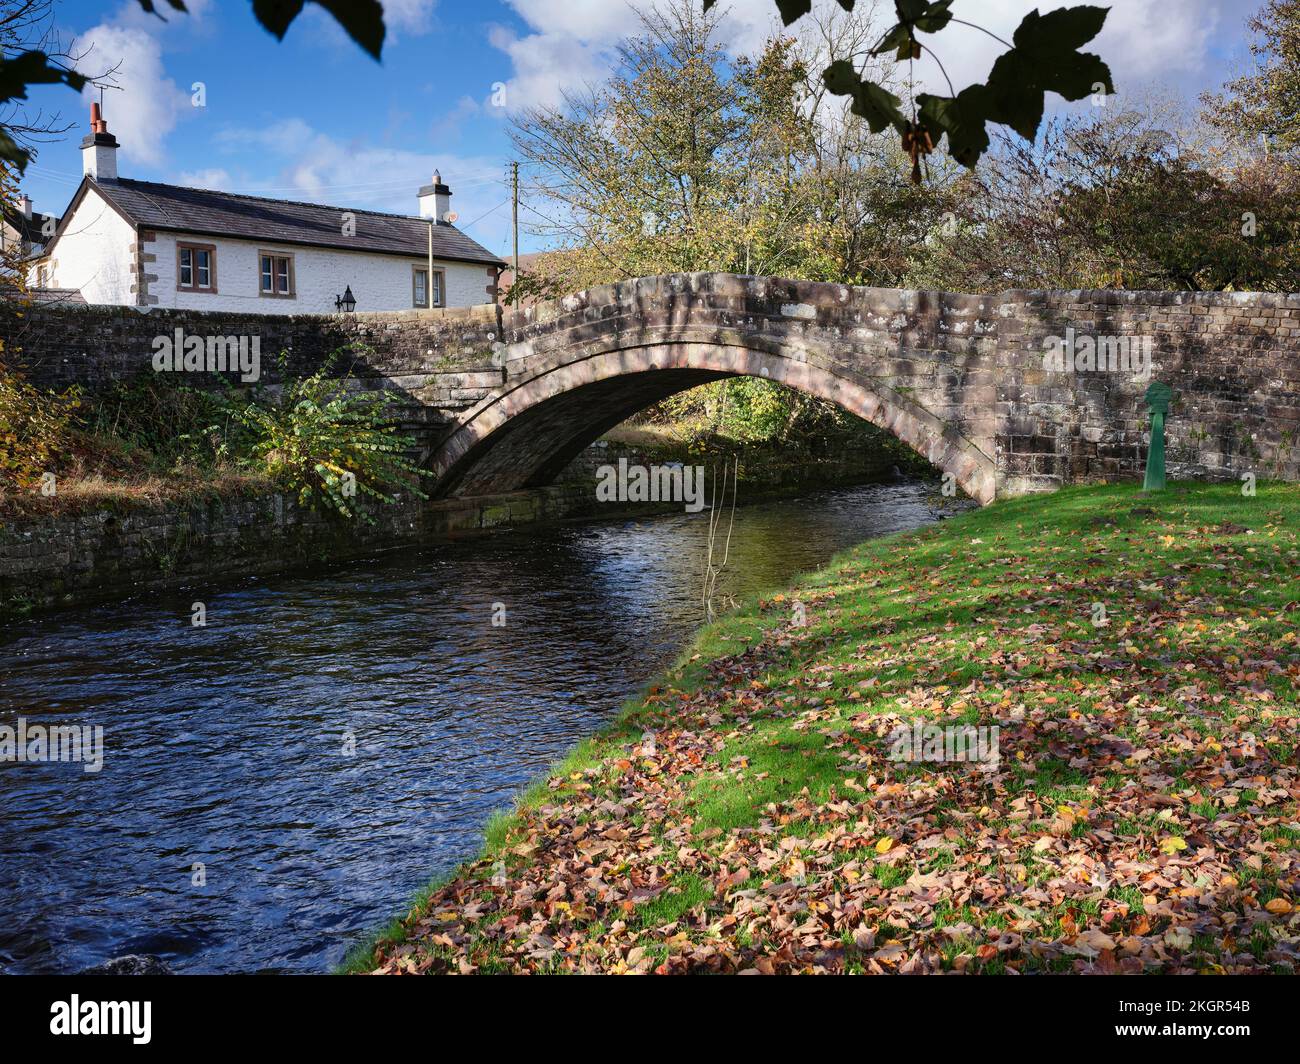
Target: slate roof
(27, 228)
(151, 205)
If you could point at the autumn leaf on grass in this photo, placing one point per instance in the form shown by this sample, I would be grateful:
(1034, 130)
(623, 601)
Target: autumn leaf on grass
(884, 845)
(1173, 844)
(1090, 943)
(1064, 821)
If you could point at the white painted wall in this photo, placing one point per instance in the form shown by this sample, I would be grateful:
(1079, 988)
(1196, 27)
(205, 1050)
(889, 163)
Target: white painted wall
(379, 282)
(94, 254)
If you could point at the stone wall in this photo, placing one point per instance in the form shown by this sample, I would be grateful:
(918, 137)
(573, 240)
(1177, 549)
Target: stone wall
(502, 400)
(1233, 360)
(79, 558)
(441, 360)
(971, 363)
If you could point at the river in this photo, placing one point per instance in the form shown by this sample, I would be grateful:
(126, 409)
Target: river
(279, 782)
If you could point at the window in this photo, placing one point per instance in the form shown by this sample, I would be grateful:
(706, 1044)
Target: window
(196, 268)
(420, 287)
(276, 274)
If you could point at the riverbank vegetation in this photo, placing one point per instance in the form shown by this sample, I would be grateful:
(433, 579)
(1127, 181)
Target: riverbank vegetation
(147, 441)
(1138, 654)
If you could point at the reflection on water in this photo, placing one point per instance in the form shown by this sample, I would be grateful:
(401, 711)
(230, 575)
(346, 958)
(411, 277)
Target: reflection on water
(225, 745)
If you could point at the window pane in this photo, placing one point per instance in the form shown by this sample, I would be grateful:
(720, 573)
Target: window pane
(266, 273)
(437, 289)
(203, 260)
(187, 275)
(282, 274)
(421, 289)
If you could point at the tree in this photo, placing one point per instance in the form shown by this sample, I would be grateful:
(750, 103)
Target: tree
(1122, 199)
(1267, 103)
(683, 160)
(1043, 56)
(689, 159)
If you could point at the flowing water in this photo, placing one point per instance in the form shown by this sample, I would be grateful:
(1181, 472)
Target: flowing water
(234, 828)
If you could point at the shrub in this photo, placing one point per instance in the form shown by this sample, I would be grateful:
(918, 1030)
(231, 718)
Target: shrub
(326, 442)
(35, 426)
(149, 422)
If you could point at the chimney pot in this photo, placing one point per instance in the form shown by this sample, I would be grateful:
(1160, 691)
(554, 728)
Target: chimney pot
(99, 149)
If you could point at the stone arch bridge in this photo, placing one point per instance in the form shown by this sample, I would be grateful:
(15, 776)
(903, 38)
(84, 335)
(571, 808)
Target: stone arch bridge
(504, 398)
(962, 379)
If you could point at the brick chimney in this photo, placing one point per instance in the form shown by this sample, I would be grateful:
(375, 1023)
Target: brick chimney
(99, 149)
(25, 205)
(435, 199)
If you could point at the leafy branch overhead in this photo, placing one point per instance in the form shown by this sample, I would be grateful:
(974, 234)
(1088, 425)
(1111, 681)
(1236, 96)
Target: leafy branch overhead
(363, 21)
(1044, 57)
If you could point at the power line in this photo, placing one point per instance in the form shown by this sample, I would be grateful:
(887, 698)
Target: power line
(485, 214)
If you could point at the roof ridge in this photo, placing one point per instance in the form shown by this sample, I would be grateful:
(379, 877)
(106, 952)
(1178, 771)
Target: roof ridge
(271, 199)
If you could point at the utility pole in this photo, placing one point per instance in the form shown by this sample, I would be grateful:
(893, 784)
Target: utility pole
(514, 181)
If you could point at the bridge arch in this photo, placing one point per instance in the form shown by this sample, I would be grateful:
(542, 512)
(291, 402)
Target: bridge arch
(552, 406)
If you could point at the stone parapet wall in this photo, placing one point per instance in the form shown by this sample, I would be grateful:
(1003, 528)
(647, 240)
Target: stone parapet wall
(501, 399)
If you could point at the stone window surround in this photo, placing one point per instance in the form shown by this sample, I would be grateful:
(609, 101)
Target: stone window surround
(418, 268)
(293, 279)
(211, 249)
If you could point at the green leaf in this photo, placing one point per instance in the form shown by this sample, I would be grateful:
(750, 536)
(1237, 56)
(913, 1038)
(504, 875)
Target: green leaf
(176, 5)
(1045, 59)
(899, 41)
(362, 20)
(1063, 30)
(793, 9)
(936, 17)
(962, 119)
(913, 16)
(870, 101)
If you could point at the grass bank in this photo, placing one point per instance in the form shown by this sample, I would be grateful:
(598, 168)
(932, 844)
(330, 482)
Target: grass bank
(1139, 657)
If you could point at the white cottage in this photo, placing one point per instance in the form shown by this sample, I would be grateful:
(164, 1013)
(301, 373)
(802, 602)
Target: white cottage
(142, 243)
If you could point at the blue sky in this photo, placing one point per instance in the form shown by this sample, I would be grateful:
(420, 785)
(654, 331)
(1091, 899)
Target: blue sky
(314, 118)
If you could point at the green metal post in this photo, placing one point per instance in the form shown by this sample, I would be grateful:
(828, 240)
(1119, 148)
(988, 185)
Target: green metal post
(1157, 397)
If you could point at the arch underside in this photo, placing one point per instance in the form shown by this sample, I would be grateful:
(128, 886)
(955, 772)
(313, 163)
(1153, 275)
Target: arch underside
(524, 435)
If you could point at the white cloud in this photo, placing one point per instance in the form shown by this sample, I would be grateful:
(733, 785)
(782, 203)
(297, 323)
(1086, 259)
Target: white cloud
(412, 16)
(1143, 41)
(217, 179)
(547, 65)
(150, 103)
(575, 41)
(315, 167)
